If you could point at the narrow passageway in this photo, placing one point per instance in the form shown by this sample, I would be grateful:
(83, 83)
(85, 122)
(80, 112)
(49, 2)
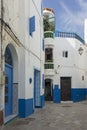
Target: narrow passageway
(64, 116)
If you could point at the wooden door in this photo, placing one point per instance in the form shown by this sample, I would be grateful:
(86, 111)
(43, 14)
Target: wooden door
(65, 88)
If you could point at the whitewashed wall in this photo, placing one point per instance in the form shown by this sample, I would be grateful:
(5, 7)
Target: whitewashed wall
(34, 58)
(74, 65)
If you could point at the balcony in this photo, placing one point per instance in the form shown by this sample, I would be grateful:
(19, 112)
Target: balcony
(48, 34)
(49, 66)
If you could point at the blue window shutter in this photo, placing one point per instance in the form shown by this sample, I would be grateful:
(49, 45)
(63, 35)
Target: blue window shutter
(32, 25)
(30, 29)
(43, 44)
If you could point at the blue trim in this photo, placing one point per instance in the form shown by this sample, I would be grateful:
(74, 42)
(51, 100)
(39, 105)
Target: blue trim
(25, 107)
(78, 94)
(42, 101)
(56, 94)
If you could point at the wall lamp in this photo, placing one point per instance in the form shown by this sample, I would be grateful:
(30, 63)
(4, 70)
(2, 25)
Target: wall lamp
(80, 50)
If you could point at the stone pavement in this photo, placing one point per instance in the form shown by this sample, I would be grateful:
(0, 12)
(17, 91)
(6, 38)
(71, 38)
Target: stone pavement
(64, 116)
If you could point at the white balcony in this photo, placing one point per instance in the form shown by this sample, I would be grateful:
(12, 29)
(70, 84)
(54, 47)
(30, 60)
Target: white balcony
(49, 68)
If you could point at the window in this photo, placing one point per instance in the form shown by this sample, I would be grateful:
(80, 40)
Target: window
(48, 54)
(65, 54)
(31, 25)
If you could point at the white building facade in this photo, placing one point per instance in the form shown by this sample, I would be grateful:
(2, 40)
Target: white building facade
(21, 58)
(65, 64)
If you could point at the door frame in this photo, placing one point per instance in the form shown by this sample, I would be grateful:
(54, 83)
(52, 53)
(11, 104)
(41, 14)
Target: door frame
(35, 90)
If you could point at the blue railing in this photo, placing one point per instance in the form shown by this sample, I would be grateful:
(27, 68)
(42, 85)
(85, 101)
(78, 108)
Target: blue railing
(69, 35)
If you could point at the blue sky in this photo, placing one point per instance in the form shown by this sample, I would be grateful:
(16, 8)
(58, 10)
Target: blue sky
(70, 14)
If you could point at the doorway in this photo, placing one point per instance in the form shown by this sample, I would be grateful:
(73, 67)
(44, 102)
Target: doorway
(65, 83)
(48, 90)
(11, 83)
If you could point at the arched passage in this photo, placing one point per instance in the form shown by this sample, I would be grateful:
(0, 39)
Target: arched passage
(48, 89)
(11, 81)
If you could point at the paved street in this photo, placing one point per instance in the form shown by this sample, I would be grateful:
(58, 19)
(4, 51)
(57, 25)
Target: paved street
(64, 116)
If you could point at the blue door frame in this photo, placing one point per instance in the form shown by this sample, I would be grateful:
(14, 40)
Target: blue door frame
(8, 89)
(36, 88)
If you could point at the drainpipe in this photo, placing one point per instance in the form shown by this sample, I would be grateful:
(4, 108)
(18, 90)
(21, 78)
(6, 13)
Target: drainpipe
(2, 58)
(1, 22)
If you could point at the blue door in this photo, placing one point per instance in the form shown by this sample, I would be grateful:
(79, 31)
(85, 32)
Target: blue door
(8, 82)
(8, 90)
(36, 88)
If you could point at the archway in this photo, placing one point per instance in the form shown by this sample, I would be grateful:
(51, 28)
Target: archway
(11, 81)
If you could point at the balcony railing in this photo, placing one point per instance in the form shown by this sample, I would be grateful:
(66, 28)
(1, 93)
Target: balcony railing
(68, 35)
(48, 34)
(49, 66)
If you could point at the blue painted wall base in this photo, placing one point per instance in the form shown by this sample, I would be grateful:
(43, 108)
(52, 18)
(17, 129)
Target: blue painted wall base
(86, 92)
(56, 94)
(42, 101)
(25, 107)
(78, 94)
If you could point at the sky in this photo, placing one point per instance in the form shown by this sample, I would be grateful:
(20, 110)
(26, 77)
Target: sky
(69, 14)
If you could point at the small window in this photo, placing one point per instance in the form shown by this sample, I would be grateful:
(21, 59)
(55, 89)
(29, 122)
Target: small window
(65, 54)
